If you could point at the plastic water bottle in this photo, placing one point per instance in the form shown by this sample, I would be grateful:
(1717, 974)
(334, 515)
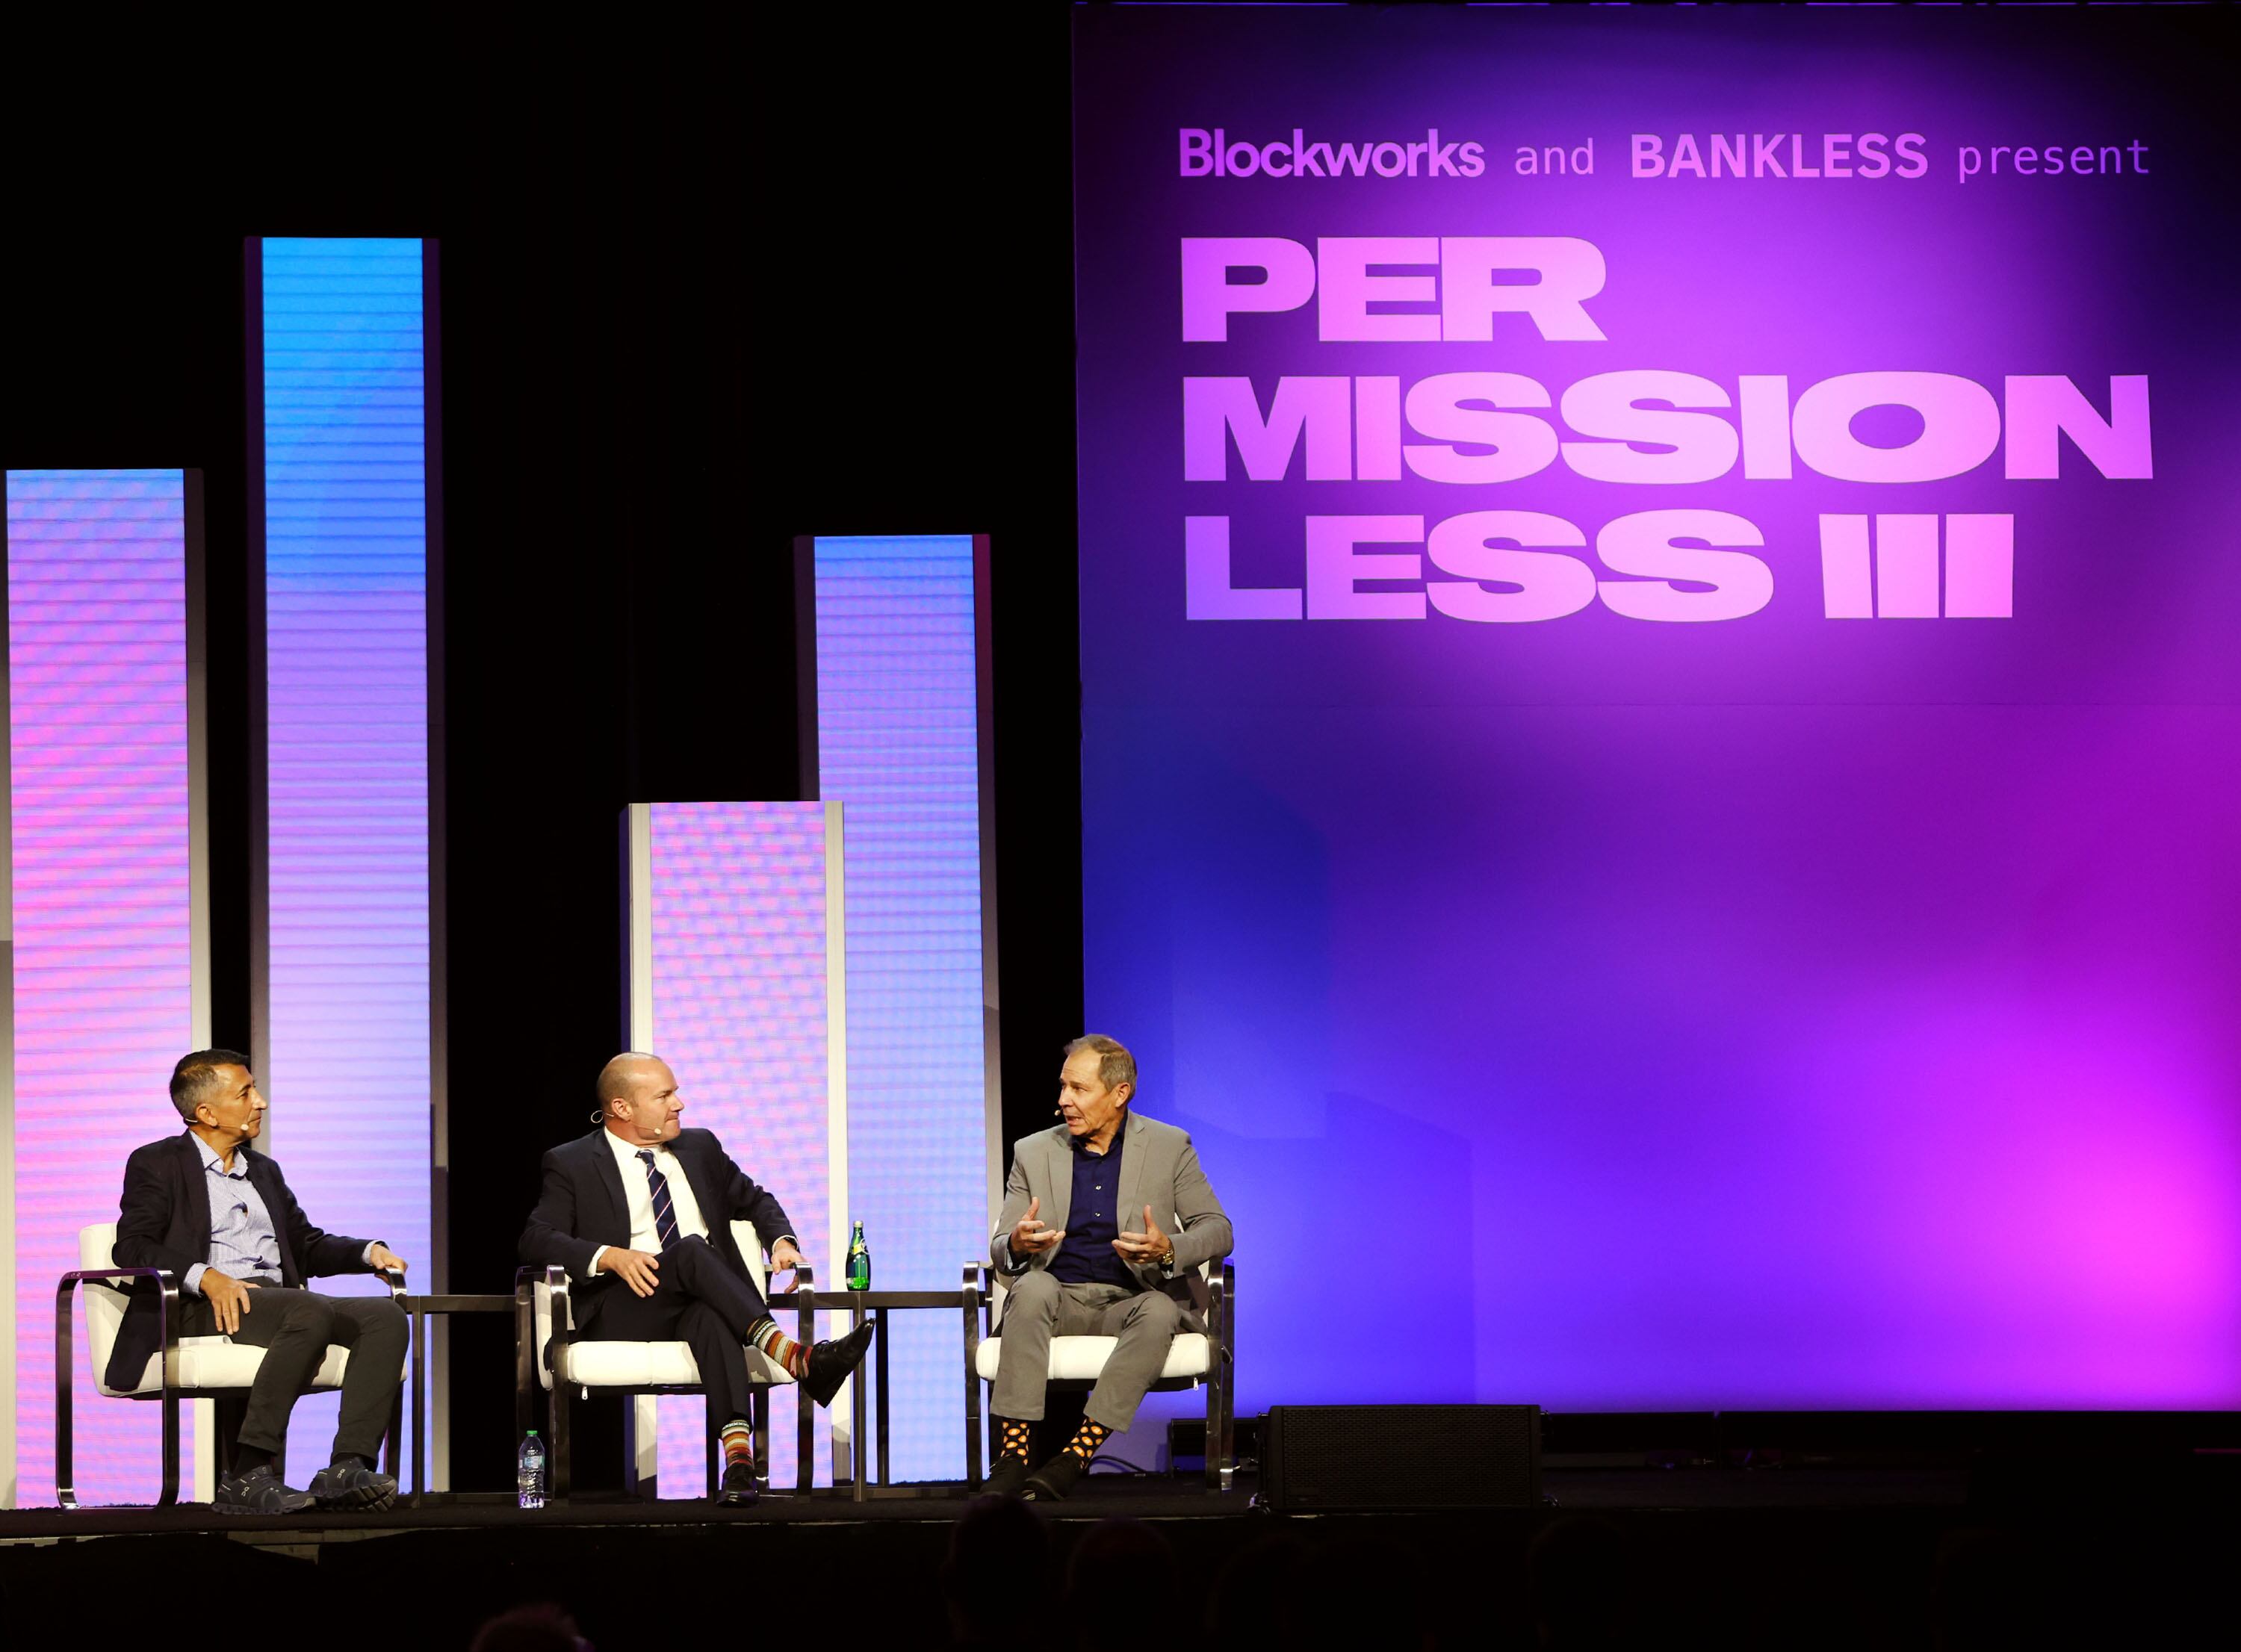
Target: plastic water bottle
(859, 1261)
(530, 1479)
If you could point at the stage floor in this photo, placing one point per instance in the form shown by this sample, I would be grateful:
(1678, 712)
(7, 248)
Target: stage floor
(1825, 1558)
(1138, 1497)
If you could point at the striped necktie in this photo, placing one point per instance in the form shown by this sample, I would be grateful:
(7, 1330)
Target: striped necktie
(665, 1215)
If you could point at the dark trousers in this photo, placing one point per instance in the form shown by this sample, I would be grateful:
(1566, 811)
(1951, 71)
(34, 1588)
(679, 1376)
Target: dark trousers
(294, 1328)
(700, 1302)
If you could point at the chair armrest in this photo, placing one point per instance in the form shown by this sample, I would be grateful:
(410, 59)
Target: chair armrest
(167, 1302)
(1221, 1292)
(554, 1278)
(104, 1275)
(167, 1329)
(805, 1301)
(167, 1315)
(394, 1278)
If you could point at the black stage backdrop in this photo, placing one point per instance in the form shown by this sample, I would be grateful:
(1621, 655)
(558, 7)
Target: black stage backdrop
(705, 286)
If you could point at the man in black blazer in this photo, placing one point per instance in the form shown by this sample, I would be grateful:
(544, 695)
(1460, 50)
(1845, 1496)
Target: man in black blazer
(641, 1210)
(211, 1209)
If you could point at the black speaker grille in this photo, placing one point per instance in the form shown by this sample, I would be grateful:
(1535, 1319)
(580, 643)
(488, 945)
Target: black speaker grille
(1403, 1456)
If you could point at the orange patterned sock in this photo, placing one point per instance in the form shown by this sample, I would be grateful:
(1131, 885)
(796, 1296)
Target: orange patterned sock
(1087, 1438)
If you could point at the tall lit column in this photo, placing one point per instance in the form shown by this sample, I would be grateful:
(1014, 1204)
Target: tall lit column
(895, 631)
(347, 1045)
(109, 906)
(737, 979)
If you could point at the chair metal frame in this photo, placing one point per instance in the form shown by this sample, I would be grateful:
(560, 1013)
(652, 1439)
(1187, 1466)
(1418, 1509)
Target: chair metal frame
(167, 1324)
(1220, 1380)
(527, 1381)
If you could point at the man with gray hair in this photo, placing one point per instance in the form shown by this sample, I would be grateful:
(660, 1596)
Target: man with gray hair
(1107, 1217)
(211, 1208)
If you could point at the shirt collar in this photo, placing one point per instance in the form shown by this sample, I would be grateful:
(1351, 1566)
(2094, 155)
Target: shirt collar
(1080, 1144)
(625, 1152)
(211, 1158)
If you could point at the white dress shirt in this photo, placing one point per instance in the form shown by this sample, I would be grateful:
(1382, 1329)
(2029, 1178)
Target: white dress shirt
(637, 1194)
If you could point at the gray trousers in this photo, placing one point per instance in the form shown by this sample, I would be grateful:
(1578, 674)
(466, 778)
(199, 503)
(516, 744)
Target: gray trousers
(1039, 1307)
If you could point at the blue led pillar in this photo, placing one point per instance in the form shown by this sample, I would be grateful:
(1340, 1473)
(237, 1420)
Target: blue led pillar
(900, 712)
(345, 1051)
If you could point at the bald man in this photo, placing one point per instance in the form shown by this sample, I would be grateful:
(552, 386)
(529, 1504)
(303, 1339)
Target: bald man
(641, 1211)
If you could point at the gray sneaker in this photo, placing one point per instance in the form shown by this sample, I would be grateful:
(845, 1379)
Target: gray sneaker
(351, 1485)
(258, 1492)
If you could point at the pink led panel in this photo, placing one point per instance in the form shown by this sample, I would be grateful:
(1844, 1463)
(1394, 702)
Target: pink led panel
(99, 804)
(739, 1014)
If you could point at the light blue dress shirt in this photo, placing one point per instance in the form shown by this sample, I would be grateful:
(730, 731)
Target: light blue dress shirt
(244, 1242)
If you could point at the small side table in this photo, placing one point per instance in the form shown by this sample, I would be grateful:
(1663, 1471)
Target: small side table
(419, 1308)
(876, 1305)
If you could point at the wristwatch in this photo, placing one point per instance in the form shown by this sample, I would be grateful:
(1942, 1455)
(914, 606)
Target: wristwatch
(1167, 1263)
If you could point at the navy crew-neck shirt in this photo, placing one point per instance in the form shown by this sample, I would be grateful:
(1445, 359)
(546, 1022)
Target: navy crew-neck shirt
(1086, 1256)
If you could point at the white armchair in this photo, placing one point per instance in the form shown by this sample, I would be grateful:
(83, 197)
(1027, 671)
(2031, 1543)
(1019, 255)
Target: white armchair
(547, 1356)
(1195, 1359)
(193, 1367)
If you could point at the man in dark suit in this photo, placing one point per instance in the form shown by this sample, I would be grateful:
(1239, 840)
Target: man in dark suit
(644, 1201)
(211, 1209)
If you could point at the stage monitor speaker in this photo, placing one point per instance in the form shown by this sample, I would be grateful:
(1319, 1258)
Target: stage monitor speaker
(1401, 1456)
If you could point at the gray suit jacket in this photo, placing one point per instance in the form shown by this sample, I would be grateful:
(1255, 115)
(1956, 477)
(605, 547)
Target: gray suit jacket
(1158, 1167)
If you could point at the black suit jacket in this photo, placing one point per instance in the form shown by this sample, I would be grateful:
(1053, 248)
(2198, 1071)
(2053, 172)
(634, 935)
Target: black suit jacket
(163, 1221)
(582, 1208)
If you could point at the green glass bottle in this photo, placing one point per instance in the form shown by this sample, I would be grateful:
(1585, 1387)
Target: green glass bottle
(859, 1261)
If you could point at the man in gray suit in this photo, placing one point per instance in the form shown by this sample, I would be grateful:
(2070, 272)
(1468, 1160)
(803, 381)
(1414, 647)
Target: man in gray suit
(1130, 1217)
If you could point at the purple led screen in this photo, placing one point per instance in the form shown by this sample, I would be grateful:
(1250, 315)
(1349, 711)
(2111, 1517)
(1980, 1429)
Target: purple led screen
(99, 807)
(899, 747)
(345, 566)
(739, 1014)
(1659, 729)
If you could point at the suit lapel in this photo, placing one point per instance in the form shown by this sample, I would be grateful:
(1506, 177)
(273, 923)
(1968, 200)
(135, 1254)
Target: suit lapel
(611, 1175)
(1058, 1167)
(1132, 1175)
(198, 1194)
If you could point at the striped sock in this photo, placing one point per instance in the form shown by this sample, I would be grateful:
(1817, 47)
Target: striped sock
(738, 1437)
(1087, 1438)
(1013, 1438)
(778, 1347)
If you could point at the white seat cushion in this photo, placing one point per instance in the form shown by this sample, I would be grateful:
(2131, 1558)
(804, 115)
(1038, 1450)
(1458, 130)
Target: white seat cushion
(220, 1362)
(1081, 1359)
(650, 1364)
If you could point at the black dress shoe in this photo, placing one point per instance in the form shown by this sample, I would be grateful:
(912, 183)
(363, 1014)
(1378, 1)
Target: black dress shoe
(258, 1492)
(1055, 1479)
(830, 1363)
(1007, 1479)
(737, 1489)
(351, 1484)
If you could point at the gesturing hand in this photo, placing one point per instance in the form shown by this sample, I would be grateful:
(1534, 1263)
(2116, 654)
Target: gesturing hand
(1029, 1237)
(640, 1271)
(1148, 1247)
(228, 1297)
